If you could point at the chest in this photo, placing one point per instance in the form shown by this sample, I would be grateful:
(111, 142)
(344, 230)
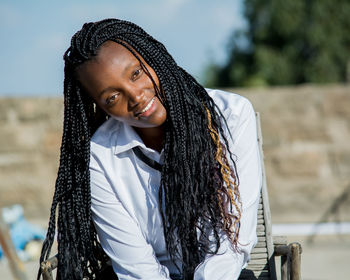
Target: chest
(136, 186)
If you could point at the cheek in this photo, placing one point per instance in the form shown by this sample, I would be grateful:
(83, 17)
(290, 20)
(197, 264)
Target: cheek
(161, 113)
(115, 113)
(119, 109)
(120, 114)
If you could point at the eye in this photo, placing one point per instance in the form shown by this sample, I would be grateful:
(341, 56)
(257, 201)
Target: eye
(111, 99)
(136, 74)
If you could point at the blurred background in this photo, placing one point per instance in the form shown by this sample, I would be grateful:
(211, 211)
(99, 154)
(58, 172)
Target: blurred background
(291, 59)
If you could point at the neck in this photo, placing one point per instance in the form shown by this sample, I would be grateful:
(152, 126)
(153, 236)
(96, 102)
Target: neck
(152, 137)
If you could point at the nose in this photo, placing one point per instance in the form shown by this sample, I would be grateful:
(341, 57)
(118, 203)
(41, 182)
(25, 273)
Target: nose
(135, 97)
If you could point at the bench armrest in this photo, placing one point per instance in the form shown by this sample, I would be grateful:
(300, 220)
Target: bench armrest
(47, 267)
(290, 257)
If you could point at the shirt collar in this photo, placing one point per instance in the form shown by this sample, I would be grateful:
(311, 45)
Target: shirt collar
(127, 139)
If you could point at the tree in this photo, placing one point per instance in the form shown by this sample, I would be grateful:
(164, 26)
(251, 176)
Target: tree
(288, 42)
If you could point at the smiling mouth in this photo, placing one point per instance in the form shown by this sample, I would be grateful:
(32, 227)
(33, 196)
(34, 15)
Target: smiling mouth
(149, 105)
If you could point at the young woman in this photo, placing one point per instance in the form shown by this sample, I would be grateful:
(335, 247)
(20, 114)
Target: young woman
(149, 165)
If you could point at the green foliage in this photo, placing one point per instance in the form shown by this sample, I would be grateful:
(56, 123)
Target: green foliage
(288, 42)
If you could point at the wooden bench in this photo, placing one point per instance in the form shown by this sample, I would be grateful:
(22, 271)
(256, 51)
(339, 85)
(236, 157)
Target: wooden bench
(262, 265)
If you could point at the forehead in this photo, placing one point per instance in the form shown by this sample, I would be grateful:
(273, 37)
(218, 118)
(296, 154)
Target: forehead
(112, 53)
(111, 49)
(111, 57)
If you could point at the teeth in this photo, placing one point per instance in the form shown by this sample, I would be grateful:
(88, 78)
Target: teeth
(149, 105)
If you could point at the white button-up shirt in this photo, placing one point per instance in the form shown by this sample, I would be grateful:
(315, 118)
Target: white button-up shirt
(125, 208)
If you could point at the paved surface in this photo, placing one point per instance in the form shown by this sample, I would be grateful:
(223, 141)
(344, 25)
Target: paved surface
(326, 258)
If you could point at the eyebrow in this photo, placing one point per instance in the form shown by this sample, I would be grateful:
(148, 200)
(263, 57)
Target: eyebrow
(130, 65)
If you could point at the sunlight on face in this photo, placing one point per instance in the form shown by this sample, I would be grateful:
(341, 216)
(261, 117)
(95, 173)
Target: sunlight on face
(121, 87)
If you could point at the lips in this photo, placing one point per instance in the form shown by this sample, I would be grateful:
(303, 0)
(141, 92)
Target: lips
(147, 108)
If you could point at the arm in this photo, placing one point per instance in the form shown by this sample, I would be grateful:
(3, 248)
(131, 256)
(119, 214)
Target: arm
(120, 236)
(228, 264)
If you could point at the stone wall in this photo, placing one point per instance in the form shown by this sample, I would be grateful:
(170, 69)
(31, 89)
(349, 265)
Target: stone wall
(306, 133)
(30, 136)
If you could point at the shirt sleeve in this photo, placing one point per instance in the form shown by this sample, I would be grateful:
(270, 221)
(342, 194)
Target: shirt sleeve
(120, 236)
(227, 264)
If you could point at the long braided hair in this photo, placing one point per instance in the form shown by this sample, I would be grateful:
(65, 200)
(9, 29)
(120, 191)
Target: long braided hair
(199, 184)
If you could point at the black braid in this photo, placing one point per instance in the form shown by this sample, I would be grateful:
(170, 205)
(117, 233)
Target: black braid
(191, 178)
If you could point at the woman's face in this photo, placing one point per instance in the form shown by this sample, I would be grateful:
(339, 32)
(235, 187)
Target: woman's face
(119, 86)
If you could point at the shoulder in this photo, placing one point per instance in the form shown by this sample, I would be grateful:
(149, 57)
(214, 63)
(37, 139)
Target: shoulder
(234, 107)
(226, 98)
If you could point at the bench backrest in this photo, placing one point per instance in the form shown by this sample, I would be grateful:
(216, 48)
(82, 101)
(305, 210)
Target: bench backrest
(262, 263)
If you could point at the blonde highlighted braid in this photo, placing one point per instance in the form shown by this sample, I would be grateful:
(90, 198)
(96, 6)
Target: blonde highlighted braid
(228, 194)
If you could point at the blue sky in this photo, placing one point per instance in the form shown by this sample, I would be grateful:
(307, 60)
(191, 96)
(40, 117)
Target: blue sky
(35, 34)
